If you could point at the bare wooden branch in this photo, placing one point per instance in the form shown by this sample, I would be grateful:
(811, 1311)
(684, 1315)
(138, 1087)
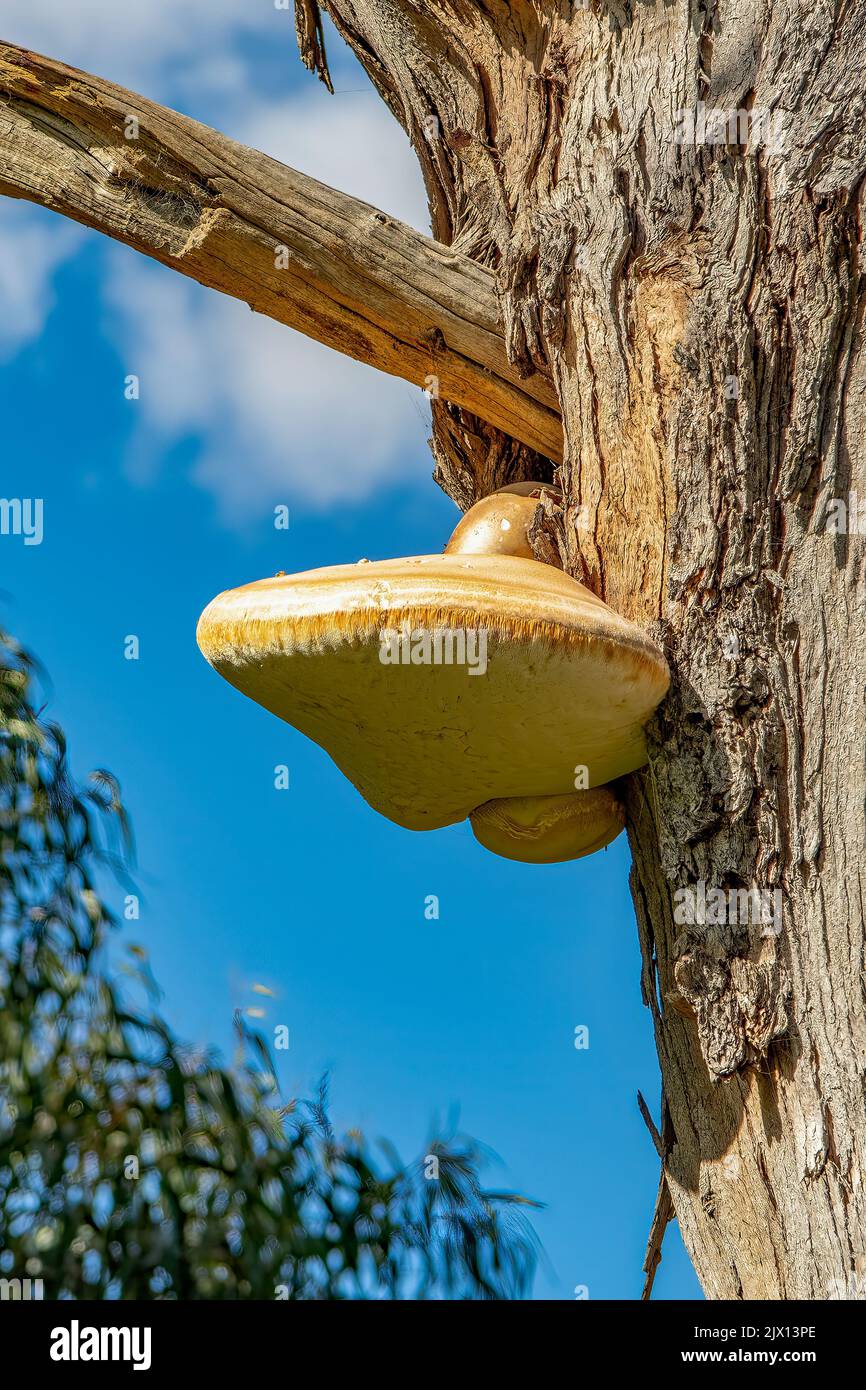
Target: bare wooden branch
(237, 221)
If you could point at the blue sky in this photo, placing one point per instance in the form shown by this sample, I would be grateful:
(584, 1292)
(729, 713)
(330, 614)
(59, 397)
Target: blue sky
(153, 506)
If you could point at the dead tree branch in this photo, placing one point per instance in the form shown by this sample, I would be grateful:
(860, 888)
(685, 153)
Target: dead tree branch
(238, 221)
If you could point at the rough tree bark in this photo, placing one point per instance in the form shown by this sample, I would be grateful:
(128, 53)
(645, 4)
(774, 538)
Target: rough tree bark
(698, 307)
(694, 299)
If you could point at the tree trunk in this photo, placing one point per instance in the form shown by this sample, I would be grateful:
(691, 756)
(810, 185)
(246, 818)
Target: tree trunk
(690, 282)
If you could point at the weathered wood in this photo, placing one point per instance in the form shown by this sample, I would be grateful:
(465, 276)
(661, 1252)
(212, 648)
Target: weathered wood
(698, 298)
(237, 221)
(663, 1212)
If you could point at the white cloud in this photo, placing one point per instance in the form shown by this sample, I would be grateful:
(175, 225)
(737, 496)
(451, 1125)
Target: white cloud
(32, 246)
(280, 418)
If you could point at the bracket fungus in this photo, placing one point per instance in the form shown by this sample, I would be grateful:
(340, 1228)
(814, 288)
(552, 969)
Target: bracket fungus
(473, 684)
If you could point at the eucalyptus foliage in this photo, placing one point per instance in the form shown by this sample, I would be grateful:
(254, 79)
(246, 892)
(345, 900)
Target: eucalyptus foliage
(132, 1166)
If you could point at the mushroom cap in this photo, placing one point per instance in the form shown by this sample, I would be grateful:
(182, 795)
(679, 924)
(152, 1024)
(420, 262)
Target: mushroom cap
(566, 682)
(548, 829)
(499, 523)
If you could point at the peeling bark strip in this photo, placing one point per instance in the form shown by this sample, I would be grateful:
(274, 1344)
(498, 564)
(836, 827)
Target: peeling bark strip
(671, 196)
(317, 260)
(311, 40)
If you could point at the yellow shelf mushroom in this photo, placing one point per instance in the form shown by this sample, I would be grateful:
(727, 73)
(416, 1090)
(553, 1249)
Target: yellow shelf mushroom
(480, 683)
